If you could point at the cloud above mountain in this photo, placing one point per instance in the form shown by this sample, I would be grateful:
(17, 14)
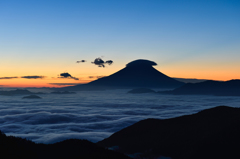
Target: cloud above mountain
(100, 63)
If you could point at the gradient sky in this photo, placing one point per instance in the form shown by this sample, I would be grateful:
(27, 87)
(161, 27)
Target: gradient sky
(186, 38)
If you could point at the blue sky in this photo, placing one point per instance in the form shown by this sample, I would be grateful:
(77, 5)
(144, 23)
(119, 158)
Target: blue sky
(176, 34)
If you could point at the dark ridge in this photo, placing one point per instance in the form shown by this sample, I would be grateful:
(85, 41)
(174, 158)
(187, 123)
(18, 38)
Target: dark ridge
(32, 97)
(219, 88)
(189, 80)
(212, 133)
(18, 92)
(18, 148)
(138, 73)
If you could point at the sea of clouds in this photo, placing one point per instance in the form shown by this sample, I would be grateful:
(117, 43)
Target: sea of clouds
(94, 115)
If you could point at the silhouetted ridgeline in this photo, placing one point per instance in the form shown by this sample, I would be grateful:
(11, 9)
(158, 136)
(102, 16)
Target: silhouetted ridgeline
(189, 80)
(18, 92)
(32, 97)
(18, 148)
(219, 88)
(209, 134)
(138, 73)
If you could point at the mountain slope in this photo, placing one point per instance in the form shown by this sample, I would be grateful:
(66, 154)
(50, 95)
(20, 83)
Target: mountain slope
(211, 133)
(138, 73)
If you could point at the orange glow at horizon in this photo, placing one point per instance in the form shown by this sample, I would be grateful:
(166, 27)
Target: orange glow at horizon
(195, 69)
(40, 82)
(208, 72)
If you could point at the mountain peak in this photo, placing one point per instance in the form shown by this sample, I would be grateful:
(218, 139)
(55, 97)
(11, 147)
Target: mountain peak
(136, 74)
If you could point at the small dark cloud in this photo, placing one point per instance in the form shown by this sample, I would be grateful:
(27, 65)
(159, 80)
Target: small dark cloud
(8, 77)
(109, 62)
(33, 77)
(67, 75)
(81, 61)
(100, 63)
(96, 77)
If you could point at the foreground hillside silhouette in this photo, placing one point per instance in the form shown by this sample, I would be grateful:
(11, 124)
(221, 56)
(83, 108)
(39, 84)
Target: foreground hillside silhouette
(209, 134)
(138, 73)
(18, 148)
(219, 88)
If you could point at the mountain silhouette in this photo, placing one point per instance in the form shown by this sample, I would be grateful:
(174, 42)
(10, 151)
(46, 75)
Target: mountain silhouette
(219, 88)
(18, 148)
(18, 92)
(138, 73)
(211, 133)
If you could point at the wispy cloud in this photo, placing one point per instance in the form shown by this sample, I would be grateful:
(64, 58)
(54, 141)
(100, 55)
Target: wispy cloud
(8, 77)
(33, 77)
(96, 77)
(64, 84)
(81, 61)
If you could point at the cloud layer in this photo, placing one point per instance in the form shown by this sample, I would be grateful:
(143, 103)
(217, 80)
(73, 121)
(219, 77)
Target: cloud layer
(93, 115)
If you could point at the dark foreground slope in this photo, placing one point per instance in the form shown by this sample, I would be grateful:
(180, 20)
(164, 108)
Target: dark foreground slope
(209, 134)
(18, 148)
(219, 88)
(138, 73)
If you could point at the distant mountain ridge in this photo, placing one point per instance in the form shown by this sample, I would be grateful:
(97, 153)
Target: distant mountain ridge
(189, 80)
(219, 88)
(138, 73)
